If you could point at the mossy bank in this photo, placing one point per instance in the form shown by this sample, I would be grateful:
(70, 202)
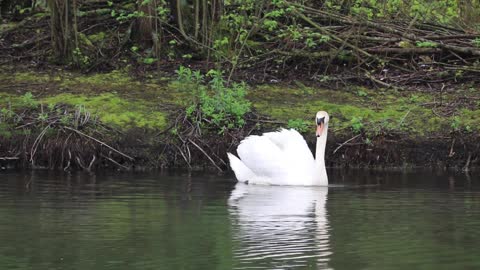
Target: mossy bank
(143, 119)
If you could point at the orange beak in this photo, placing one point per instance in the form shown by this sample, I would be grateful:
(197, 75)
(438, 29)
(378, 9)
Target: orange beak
(320, 129)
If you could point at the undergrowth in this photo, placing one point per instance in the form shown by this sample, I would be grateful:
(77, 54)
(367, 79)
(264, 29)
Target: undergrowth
(55, 135)
(214, 103)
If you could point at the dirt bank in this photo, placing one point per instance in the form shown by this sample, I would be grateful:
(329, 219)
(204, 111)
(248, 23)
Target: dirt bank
(69, 121)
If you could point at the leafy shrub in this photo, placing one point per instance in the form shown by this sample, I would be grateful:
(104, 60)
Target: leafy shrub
(219, 104)
(425, 10)
(356, 124)
(426, 44)
(299, 125)
(28, 100)
(476, 42)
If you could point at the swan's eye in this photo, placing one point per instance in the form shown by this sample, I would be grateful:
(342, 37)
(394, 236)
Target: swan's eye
(320, 121)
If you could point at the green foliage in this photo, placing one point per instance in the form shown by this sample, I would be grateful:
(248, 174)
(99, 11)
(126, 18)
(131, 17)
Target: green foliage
(426, 44)
(362, 93)
(456, 124)
(27, 100)
(66, 119)
(186, 75)
(270, 25)
(43, 117)
(424, 10)
(79, 58)
(126, 16)
(476, 42)
(414, 98)
(149, 60)
(219, 104)
(6, 114)
(299, 125)
(98, 37)
(356, 124)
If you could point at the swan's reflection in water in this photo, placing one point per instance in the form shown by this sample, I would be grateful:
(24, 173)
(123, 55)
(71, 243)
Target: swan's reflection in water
(280, 227)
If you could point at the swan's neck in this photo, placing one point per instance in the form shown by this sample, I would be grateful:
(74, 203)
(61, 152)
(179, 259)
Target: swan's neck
(320, 176)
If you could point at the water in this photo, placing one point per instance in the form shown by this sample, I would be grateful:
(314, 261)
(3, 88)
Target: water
(175, 221)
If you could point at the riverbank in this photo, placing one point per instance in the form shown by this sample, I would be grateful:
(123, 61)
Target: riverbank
(69, 121)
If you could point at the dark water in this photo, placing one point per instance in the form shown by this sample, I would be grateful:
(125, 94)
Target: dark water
(160, 221)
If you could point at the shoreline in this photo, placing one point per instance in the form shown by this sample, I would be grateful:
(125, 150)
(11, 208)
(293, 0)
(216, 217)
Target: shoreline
(129, 122)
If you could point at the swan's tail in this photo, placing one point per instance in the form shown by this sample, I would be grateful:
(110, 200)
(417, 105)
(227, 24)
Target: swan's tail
(242, 172)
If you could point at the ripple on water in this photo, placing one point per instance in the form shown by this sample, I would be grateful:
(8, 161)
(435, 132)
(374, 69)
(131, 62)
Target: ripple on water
(156, 222)
(279, 227)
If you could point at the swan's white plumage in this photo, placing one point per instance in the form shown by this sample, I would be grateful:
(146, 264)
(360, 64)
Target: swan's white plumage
(276, 158)
(242, 172)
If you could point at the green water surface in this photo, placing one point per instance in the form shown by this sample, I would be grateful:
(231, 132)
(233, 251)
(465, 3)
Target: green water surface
(180, 221)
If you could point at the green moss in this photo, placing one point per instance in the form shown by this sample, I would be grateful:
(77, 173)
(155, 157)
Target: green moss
(5, 131)
(119, 99)
(14, 102)
(40, 15)
(84, 40)
(115, 78)
(100, 36)
(470, 120)
(115, 110)
(7, 26)
(5, 99)
(129, 6)
(379, 110)
(31, 77)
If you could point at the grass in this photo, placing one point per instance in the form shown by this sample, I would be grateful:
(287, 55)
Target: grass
(120, 100)
(380, 111)
(112, 109)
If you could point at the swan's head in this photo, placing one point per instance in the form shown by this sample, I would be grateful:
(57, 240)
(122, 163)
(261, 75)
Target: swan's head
(321, 120)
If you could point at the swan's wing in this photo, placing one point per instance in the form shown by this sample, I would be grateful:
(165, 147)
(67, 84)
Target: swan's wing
(242, 172)
(291, 142)
(262, 156)
(282, 156)
(295, 150)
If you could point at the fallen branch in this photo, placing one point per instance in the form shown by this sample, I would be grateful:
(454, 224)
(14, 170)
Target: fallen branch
(205, 153)
(403, 51)
(100, 142)
(9, 158)
(466, 168)
(114, 162)
(347, 141)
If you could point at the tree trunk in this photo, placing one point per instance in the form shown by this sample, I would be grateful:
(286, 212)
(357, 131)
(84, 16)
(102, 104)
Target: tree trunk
(147, 32)
(62, 29)
(145, 24)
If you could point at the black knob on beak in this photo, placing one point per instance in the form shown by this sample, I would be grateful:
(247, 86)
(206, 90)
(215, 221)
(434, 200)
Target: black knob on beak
(320, 121)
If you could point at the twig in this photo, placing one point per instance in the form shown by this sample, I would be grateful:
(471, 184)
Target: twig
(91, 163)
(403, 118)
(211, 160)
(100, 142)
(37, 142)
(69, 161)
(183, 155)
(347, 141)
(466, 168)
(114, 162)
(451, 154)
(9, 158)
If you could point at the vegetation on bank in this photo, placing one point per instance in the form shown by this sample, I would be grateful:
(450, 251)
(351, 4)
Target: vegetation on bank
(163, 83)
(196, 116)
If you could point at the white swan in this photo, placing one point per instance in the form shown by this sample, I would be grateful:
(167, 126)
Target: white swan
(282, 158)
